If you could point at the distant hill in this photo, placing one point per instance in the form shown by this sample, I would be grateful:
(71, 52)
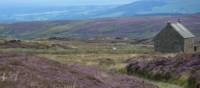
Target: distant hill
(40, 13)
(132, 27)
(159, 7)
(140, 7)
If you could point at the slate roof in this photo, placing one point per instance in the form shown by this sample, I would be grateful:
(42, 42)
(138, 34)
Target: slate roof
(182, 30)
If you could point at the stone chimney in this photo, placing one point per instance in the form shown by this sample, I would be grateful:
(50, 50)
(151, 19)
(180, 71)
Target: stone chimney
(168, 22)
(179, 20)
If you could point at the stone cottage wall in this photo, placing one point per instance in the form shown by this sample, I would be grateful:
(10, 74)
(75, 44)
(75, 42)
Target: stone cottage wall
(189, 45)
(169, 40)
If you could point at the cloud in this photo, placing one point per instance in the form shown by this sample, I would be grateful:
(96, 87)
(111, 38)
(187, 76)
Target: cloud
(66, 2)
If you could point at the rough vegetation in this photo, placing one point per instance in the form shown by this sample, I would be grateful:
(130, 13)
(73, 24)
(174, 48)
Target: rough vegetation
(28, 71)
(183, 69)
(107, 55)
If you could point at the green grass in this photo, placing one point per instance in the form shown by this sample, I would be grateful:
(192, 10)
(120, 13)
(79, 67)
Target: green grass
(166, 85)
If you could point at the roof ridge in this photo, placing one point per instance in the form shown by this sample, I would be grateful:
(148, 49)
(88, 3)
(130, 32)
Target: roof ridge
(182, 30)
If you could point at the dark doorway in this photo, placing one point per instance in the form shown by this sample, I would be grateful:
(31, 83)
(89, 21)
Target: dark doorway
(195, 48)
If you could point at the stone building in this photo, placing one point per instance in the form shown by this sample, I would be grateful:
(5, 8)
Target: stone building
(175, 37)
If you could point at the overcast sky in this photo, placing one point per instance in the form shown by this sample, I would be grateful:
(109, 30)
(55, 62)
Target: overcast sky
(64, 2)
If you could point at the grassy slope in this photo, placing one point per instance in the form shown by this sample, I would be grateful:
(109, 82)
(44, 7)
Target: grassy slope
(133, 27)
(99, 55)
